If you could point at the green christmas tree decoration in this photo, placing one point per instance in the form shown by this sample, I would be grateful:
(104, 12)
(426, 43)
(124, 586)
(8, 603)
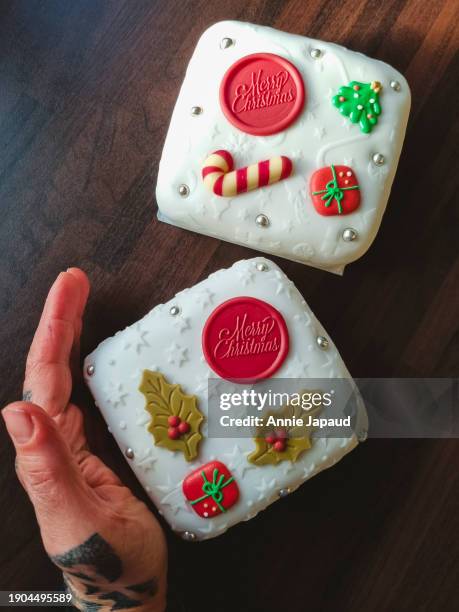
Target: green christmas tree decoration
(360, 102)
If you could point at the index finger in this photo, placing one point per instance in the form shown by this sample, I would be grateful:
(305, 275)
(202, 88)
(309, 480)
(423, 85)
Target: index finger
(48, 379)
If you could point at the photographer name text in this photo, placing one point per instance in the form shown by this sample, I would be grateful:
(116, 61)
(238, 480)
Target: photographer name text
(281, 422)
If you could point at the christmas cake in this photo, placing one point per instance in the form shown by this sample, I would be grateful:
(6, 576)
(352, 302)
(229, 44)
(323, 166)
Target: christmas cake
(247, 324)
(284, 144)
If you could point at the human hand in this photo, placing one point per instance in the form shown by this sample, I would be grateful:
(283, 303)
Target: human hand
(108, 544)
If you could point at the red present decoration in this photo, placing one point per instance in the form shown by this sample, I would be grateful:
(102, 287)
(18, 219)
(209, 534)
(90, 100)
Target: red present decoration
(335, 191)
(211, 489)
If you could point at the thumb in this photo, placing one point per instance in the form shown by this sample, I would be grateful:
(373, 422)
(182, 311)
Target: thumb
(47, 470)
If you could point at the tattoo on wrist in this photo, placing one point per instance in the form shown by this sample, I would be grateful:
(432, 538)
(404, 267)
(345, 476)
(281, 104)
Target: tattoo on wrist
(27, 396)
(117, 600)
(99, 560)
(96, 553)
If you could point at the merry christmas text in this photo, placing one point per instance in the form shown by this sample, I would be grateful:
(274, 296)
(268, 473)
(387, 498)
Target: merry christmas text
(262, 92)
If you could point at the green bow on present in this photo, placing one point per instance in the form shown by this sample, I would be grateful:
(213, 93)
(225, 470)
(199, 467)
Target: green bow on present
(333, 192)
(213, 489)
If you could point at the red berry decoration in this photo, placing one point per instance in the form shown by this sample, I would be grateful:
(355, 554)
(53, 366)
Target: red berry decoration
(177, 427)
(211, 489)
(335, 190)
(173, 433)
(278, 440)
(174, 421)
(183, 427)
(279, 446)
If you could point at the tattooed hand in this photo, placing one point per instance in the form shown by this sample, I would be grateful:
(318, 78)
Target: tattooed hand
(110, 547)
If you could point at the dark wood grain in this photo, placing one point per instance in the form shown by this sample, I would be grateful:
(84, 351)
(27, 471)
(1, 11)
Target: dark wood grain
(87, 88)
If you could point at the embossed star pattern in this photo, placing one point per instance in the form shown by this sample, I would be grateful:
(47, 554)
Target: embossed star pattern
(204, 298)
(246, 276)
(181, 323)
(320, 132)
(146, 460)
(114, 394)
(136, 339)
(176, 354)
(237, 461)
(264, 487)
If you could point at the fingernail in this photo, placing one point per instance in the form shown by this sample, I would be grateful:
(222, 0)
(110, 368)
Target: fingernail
(19, 425)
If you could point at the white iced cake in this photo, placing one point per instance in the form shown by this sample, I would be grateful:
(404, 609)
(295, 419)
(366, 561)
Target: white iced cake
(284, 144)
(247, 323)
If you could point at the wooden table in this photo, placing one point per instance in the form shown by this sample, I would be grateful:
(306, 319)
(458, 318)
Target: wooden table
(87, 90)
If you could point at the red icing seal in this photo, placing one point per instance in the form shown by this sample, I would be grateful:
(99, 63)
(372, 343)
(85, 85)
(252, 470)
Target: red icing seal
(262, 94)
(245, 339)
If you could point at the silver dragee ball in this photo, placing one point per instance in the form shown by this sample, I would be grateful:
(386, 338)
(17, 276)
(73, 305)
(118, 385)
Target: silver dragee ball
(262, 221)
(322, 342)
(315, 53)
(226, 42)
(184, 190)
(349, 234)
(378, 159)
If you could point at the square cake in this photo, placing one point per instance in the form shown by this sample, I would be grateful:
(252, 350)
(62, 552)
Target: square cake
(284, 144)
(247, 324)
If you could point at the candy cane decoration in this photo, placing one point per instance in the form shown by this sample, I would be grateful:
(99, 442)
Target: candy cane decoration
(218, 174)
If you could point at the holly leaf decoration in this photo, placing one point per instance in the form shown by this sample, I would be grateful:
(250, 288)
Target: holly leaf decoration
(164, 400)
(360, 102)
(298, 437)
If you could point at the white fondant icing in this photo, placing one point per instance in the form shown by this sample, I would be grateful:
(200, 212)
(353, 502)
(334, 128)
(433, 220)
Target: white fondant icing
(118, 373)
(319, 137)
